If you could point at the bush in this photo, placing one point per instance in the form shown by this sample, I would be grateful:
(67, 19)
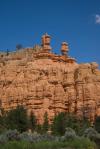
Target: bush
(12, 135)
(25, 136)
(9, 136)
(84, 124)
(36, 137)
(75, 144)
(19, 46)
(90, 133)
(3, 139)
(69, 135)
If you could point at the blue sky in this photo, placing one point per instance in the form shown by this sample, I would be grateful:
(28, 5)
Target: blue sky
(74, 21)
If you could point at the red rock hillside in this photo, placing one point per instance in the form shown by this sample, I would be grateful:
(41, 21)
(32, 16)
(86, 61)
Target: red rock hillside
(45, 82)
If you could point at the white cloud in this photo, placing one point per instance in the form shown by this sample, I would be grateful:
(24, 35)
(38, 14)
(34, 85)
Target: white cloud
(97, 19)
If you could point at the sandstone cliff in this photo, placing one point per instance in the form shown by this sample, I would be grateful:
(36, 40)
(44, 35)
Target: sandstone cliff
(45, 82)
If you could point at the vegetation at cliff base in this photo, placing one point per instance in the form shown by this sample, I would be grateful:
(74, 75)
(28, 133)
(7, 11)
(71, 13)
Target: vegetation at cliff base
(12, 139)
(63, 120)
(20, 131)
(76, 144)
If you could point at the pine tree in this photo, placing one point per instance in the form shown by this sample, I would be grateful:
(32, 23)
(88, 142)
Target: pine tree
(17, 119)
(97, 123)
(58, 125)
(45, 123)
(33, 121)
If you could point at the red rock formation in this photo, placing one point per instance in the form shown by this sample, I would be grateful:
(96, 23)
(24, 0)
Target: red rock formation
(64, 48)
(46, 42)
(44, 82)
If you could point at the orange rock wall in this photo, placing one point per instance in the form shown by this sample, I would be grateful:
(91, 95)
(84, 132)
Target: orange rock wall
(42, 85)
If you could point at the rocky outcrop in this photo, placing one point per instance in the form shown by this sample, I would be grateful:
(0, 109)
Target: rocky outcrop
(42, 85)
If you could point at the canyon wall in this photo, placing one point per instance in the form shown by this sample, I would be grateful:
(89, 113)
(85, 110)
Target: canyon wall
(45, 82)
(43, 85)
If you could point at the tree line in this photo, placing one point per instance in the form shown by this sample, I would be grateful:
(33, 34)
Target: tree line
(18, 119)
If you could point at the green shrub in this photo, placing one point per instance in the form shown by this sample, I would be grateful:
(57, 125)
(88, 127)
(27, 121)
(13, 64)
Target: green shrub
(75, 144)
(9, 135)
(90, 133)
(69, 135)
(81, 143)
(12, 135)
(29, 137)
(25, 136)
(3, 139)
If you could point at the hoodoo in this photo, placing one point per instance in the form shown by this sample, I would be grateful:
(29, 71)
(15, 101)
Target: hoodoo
(64, 48)
(46, 42)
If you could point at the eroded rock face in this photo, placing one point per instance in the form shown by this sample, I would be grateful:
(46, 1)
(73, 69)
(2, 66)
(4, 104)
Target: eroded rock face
(43, 85)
